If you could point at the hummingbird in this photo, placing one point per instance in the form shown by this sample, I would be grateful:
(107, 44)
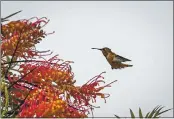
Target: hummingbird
(113, 59)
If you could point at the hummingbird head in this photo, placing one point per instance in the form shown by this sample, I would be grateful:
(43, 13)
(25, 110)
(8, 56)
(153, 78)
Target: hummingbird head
(104, 50)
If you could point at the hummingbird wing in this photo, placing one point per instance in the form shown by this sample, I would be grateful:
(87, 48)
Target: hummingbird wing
(119, 58)
(116, 62)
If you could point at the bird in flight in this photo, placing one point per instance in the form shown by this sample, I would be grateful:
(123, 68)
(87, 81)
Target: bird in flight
(113, 59)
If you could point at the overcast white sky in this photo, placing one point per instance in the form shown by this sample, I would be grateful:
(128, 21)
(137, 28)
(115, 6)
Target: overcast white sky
(141, 31)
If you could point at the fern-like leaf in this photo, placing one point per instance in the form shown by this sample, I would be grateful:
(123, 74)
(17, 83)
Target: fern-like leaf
(140, 113)
(132, 114)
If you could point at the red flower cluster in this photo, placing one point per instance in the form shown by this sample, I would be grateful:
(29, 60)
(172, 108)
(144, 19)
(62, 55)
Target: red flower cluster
(46, 87)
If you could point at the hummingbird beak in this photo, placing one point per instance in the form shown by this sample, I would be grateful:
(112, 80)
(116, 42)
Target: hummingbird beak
(96, 48)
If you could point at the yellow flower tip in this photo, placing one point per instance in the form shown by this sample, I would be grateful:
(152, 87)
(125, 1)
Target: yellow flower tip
(59, 73)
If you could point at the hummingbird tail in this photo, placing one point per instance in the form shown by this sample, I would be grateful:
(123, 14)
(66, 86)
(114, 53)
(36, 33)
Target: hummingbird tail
(125, 65)
(129, 65)
(120, 66)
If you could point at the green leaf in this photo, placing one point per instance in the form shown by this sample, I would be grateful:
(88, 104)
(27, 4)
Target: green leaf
(4, 19)
(8, 59)
(132, 114)
(157, 112)
(140, 113)
(147, 115)
(117, 116)
(153, 112)
(6, 102)
(165, 111)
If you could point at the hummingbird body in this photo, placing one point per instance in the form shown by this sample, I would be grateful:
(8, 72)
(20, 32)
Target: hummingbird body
(113, 59)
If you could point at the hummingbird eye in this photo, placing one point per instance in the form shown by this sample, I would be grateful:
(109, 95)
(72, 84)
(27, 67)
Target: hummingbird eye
(104, 49)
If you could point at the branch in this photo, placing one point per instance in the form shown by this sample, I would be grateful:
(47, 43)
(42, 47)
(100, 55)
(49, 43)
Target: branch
(25, 61)
(5, 19)
(21, 61)
(21, 78)
(12, 57)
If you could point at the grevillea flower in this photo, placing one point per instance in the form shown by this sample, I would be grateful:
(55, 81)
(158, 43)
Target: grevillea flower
(44, 103)
(40, 87)
(21, 36)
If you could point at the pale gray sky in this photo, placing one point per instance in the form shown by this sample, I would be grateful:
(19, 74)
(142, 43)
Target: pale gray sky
(141, 31)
